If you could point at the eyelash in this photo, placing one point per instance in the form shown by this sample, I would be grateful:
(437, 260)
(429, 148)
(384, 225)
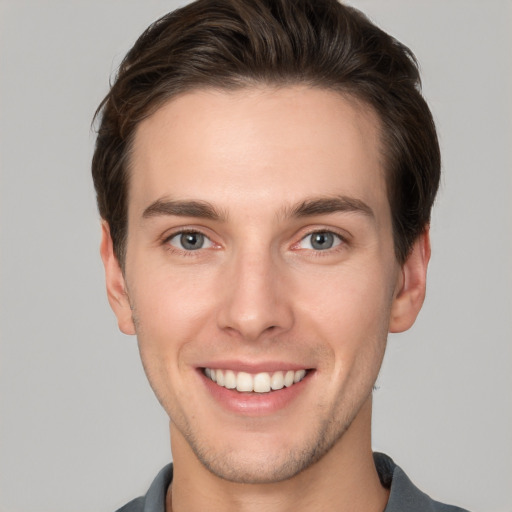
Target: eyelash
(317, 253)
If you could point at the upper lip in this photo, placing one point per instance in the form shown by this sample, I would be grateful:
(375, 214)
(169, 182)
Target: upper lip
(253, 367)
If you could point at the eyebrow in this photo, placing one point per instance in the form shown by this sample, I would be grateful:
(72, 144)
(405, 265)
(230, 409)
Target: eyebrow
(327, 205)
(307, 208)
(199, 209)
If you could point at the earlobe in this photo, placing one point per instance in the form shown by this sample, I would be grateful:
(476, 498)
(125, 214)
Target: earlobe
(115, 282)
(411, 285)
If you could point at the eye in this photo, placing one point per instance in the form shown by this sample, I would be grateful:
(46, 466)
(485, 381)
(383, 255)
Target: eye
(190, 241)
(320, 241)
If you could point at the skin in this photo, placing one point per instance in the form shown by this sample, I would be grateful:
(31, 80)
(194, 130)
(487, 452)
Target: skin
(259, 292)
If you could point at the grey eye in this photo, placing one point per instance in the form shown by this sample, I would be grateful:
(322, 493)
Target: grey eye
(320, 241)
(190, 241)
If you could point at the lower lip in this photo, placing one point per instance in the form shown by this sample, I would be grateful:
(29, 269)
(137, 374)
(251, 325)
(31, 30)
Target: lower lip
(255, 404)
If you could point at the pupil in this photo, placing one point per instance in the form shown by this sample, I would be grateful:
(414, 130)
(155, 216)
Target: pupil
(322, 241)
(192, 241)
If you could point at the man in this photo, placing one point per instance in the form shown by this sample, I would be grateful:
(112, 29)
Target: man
(265, 171)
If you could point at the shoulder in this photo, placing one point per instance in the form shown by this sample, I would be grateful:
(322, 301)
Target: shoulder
(136, 505)
(154, 500)
(404, 495)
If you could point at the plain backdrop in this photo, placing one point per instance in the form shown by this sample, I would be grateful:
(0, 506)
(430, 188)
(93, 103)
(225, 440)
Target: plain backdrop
(79, 427)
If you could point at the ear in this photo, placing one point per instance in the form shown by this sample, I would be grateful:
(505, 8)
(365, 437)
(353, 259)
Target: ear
(116, 286)
(411, 285)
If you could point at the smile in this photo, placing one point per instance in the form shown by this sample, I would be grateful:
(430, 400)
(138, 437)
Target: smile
(262, 382)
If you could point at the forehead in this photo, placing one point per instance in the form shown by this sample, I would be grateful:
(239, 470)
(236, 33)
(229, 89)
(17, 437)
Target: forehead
(259, 146)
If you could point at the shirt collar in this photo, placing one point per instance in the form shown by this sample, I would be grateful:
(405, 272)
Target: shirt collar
(403, 497)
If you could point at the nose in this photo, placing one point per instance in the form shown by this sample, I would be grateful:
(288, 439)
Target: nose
(255, 302)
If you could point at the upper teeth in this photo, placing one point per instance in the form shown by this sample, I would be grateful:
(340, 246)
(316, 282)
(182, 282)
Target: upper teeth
(260, 382)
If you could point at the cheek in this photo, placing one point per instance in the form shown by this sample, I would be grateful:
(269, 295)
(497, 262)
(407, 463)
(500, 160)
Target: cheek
(171, 312)
(347, 294)
(349, 310)
(171, 307)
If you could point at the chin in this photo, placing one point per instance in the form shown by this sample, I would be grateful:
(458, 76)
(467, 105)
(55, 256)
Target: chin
(256, 461)
(243, 468)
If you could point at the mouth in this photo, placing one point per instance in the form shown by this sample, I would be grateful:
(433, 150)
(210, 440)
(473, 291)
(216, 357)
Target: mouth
(262, 382)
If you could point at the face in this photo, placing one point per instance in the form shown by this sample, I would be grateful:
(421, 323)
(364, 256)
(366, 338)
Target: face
(260, 275)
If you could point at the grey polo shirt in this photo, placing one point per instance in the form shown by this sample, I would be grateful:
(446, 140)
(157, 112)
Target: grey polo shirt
(404, 495)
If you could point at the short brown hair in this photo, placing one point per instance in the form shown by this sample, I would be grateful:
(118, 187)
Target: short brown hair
(229, 44)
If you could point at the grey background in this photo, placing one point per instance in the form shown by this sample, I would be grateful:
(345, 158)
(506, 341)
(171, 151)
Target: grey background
(79, 427)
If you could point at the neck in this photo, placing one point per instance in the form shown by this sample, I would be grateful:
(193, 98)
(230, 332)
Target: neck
(344, 480)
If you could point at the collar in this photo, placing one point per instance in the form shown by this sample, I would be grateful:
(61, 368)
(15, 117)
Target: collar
(404, 495)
